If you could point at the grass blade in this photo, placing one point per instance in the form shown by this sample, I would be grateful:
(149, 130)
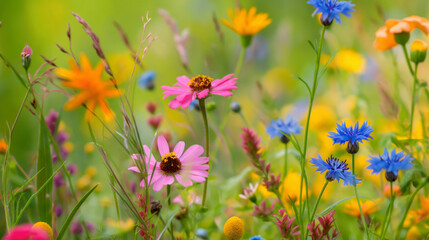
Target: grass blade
(44, 166)
(70, 217)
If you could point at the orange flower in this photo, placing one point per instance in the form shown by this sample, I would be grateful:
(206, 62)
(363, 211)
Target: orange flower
(368, 207)
(247, 23)
(3, 146)
(92, 90)
(423, 212)
(396, 190)
(385, 36)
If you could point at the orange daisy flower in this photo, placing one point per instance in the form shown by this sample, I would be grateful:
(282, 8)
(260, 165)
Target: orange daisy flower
(385, 36)
(247, 23)
(3, 146)
(92, 90)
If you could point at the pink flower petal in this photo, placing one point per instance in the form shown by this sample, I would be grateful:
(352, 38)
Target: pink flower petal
(184, 180)
(203, 94)
(162, 181)
(183, 80)
(193, 152)
(134, 169)
(163, 146)
(178, 149)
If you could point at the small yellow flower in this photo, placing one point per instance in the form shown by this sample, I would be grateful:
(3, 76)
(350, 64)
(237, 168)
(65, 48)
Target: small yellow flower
(348, 60)
(45, 227)
(247, 23)
(3, 146)
(121, 226)
(233, 228)
(91, 171)
(419, 45)
(291, 188)
(105, 202)
(83, 182)
(89, 147)
(69, 146)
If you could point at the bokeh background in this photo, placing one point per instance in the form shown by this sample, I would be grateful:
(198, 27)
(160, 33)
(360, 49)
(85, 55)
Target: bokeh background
(266, 88)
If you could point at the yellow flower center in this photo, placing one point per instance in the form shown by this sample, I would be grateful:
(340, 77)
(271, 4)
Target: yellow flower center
(44, 227)
(170, 163)
(200, 83)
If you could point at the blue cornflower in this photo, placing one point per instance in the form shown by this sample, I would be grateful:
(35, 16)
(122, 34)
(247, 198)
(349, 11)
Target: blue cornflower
(258, 237)
(351, 135)
(392, 164)
(280, 127)
(331, 9)
(335, 170)
(147, 80)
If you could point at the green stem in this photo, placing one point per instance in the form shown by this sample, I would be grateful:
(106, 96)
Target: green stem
(318, 200)
(358, 201)
(407, 208)
(240, 61)
(206, 127)
(285, 164)
(413, 99)
(169, 205)
(388, 216)
(407, 58)
(310, 106)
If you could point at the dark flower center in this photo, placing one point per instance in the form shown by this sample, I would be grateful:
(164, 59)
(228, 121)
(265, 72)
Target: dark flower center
(200, 83)
(336, 164)
(170, 163)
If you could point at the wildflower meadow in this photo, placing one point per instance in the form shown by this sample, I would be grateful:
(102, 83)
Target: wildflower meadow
(196, 119)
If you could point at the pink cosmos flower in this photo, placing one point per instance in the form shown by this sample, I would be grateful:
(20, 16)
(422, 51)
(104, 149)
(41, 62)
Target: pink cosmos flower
(199, 87)
(183, 166)
(27, 232)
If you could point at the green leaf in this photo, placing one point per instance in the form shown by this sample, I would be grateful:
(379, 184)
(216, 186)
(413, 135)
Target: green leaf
(44, 166)
(39, 190)
(70, 217)
(312, 46)
(166, 226)
(303, 81)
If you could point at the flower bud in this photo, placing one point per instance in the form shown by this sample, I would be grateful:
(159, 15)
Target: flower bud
(211, 106)
(418, 51)
(325, 22)
(154, 122)
(151, 107)
(284, 139)
(155, 207)
(202, 233)
(235, 107)
(352, 148)
(26, 56)
(391, 176)
(147, 80)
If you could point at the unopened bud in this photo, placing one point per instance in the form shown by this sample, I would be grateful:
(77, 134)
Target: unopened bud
(391, 176)
(151, 107)
(26, 56)
(418, 51)
(211, 106)
(352, 148)
(155, 207)
(235, 107)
